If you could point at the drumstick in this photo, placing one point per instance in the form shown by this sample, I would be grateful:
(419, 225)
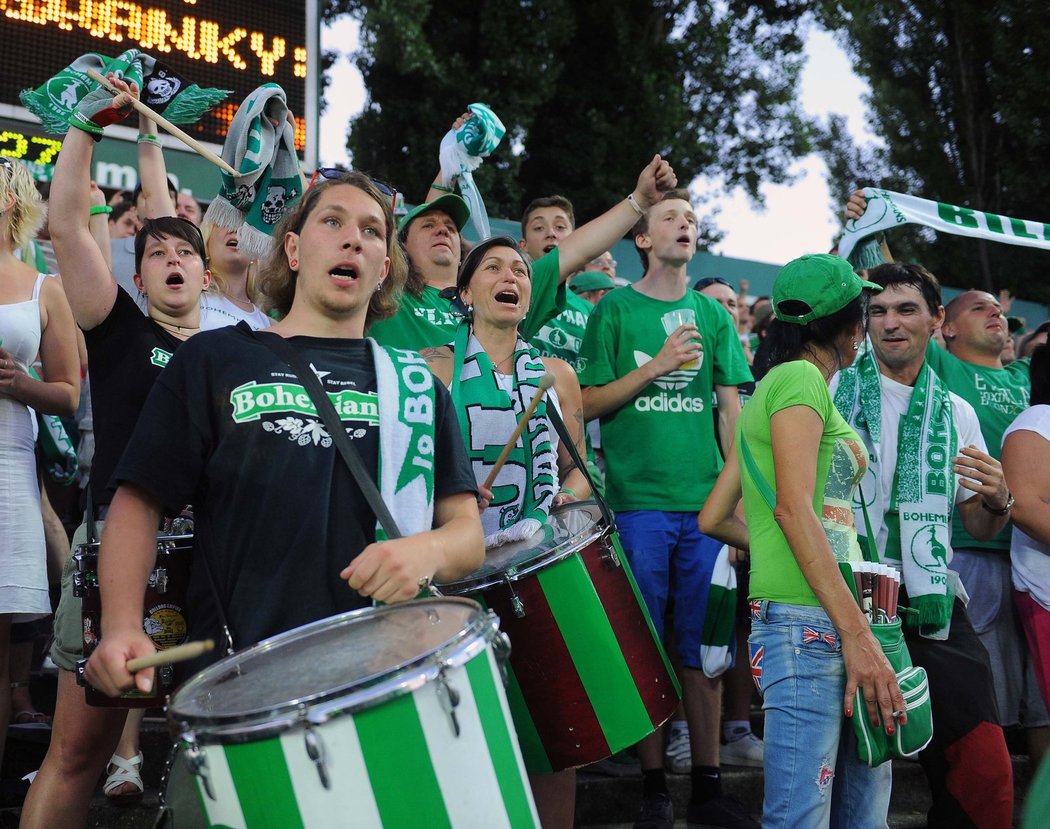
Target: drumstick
(180, 653)
(546, 381)
(186, 139)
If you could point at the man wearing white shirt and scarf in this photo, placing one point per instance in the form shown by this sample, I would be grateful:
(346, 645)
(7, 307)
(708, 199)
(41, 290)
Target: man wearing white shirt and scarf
(928, 456)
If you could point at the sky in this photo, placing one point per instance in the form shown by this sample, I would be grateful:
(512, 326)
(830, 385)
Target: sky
(797, 218)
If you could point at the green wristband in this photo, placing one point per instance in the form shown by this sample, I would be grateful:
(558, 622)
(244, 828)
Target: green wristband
(98, 209)
(442, 188)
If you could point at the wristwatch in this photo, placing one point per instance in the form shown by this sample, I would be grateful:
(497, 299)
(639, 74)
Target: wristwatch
(1009, 506)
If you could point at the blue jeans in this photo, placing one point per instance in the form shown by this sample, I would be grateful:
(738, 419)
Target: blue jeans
(672, 562)
(813, 775)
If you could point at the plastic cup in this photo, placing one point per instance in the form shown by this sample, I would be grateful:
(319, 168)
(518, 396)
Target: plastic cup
(673, 320)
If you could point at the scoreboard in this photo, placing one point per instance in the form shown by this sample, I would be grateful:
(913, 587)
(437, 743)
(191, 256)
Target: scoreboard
(226, 44)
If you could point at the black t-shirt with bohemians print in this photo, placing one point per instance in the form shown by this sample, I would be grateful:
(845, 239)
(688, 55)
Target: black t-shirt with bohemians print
(127, 352)
(229, 429)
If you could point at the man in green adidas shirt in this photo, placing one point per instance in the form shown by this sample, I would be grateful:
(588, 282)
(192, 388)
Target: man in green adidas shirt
(975, 331)
(430, 234)
(651, 357)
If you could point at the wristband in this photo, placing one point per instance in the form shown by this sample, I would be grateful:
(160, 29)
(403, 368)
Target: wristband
(98, 209)
(566, 491)
(442, 188)
(148, 138)
(634, 203)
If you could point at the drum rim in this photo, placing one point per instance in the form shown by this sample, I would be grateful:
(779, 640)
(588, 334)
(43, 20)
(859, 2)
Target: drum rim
(87, 550)
(477, 584)
(318, 708)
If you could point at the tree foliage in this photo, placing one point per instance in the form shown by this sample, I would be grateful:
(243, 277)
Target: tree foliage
(957, 94)
(589, 90)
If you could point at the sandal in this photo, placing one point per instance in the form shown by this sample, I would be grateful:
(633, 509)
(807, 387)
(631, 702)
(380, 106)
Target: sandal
(124, 770)
(28, 718)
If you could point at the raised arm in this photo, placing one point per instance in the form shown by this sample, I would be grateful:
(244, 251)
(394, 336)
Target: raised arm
(598, 235)
(89, 284)
(153, 173)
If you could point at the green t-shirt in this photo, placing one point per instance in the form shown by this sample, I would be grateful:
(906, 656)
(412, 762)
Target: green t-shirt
(428, 321)
(998, 395)
(563, 335)
(841, 463)
(660, 447)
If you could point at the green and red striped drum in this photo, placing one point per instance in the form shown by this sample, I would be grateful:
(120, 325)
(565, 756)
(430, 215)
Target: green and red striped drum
(589, 676)
(387, 717)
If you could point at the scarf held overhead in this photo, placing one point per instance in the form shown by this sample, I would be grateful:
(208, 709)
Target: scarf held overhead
(461, 153)
(260, 145)
(162, 89)
(526, 485)
(918, 515)
(887, 210)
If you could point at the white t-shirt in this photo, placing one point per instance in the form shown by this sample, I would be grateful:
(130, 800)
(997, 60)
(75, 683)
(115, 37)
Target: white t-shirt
(218, 311)
(1030, 559)
(895, 399)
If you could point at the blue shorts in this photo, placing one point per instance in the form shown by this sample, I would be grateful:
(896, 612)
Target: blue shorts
(672, 562)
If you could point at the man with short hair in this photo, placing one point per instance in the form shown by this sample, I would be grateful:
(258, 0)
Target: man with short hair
(975, 332)
(430, 234)
(187, 207)
(936, 468)
(604, 263)
(648, 378)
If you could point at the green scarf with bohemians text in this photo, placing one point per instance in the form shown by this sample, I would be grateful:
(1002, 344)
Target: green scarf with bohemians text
(162, 89)
(887, 210)
(919, 513)
(406, 438)
(526, 485)
(260, 145)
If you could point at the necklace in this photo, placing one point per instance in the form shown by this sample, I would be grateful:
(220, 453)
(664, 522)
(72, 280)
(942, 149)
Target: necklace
(501, 362)
(178, 328)
(247, 304)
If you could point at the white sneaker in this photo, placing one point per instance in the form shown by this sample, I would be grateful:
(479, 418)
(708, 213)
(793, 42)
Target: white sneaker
(743, 751)
(677, 756)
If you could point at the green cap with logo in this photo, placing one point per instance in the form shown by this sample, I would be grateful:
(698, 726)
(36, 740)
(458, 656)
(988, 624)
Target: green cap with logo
(449, 203)
(591, 281)
(823, 282)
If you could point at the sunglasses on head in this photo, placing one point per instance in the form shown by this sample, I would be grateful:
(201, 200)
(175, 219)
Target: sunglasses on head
(335, 174)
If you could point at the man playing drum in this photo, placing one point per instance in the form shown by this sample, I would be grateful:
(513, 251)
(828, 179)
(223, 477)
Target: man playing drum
(280, 522)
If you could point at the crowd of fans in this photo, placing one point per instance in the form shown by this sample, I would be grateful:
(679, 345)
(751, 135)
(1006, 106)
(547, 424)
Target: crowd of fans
(651, 377)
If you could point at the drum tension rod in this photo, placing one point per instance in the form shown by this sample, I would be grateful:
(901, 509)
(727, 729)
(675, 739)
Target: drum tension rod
(609, 553)
(315, 751)
(449, 699)
(515, 599)
(198, 765)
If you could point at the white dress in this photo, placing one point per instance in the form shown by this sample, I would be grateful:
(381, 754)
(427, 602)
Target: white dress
(23, 559)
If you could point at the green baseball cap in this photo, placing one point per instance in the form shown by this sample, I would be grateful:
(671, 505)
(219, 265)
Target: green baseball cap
(449, 203)
(591, 281)
(821, 281)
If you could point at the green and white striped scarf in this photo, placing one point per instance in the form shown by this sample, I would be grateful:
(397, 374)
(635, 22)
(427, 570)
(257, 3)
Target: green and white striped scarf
(406, 438)
(260, 145)
(527, 483)
(919, 513)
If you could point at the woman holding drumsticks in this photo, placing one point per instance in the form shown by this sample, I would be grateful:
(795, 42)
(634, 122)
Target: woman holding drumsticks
(494, 375)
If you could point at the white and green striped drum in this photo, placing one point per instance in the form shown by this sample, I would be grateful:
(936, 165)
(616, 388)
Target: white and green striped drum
(387, 717)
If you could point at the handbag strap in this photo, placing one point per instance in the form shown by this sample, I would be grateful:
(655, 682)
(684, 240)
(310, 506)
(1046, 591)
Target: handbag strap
(574, 453)
(326, 411)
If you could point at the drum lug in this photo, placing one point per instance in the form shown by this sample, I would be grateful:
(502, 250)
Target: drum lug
(198, 766)
(158, 579)
(449, 697)
(315, 751)
(609, 553)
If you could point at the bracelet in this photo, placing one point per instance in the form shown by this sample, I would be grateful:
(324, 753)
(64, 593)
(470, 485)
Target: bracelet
(148, 138)
(442, 188)
(999, 512)
(99, 209)
(566, 491)
(634, 203)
